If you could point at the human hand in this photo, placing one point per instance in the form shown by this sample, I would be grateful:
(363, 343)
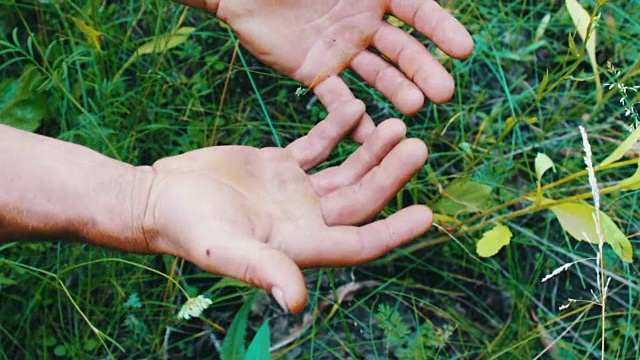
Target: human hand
(258, 216)
(312, 41)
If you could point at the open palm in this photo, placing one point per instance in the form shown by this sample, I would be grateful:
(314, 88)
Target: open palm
(311, 41)
(257, 215)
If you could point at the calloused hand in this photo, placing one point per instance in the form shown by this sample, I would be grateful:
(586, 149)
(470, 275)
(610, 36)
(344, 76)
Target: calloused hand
(258, 216)
(312, 41)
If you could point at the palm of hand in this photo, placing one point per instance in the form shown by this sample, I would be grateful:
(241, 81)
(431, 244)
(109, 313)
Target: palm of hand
(256, 215)
(311, 41)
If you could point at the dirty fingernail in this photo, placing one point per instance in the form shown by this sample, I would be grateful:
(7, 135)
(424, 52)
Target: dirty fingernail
(279, 296)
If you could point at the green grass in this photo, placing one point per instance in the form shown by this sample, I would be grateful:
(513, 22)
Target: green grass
(169, 103)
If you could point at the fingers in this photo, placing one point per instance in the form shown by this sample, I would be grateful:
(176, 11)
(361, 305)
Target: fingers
(360, 201)
(385, 137)
(415, 61)
(332, 92)
(260, 266)
(350, 245)
(377, 72)
(435, 23)
(315, 147)
(356, 203)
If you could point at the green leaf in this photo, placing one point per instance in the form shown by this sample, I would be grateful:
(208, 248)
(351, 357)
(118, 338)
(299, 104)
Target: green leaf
(493, 240)
(633, 182)
(581, 20)
(233, 344)
(228, 282)
(543, 84)
(577, 220)
(6, 281)
(133, 301)
(543, 163)
(60, 350)
(22, 105)
(165, 41)
(259, 347)
(463, 195)
(622, 148)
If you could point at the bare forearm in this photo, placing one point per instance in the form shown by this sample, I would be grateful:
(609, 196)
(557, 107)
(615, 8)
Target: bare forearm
(49, 188)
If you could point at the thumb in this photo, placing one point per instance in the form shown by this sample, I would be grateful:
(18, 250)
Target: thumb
(261, 266)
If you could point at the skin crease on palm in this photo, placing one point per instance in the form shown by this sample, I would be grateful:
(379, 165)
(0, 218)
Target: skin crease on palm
(313, 41)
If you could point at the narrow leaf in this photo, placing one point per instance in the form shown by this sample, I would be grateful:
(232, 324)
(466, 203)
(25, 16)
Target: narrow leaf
(581, 20)
(93, 36)
(233, 347)
(577, 220)
(543, 163)
(622, 148)
(259, 347)
(542, 27)
(493, 240)
(633, 182)
(166, 41)
(543, 84)
(463, 195)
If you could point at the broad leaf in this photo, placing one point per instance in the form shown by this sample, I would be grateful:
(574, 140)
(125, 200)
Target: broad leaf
(463, 195)
(493, 240)
(233, 347)
(259, 347)
(577, 220)
(93, 36)
(543, 163)
(581, 20)
(165, 41)
(22, 105)
(622, 149)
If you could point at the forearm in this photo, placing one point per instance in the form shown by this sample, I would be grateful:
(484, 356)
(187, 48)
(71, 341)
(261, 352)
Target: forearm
(50, 188)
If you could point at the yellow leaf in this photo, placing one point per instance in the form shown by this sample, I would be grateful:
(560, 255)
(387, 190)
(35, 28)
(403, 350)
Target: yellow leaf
(622, 148)
(493, 240)
(165, 41)
(542, 27)
(395, 21)
(93, 36)
(581, 20)
(633, 182)
(577, 220)
(543, 163)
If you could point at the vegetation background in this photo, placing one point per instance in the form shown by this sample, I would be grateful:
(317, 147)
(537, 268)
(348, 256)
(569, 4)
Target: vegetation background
(434, 299)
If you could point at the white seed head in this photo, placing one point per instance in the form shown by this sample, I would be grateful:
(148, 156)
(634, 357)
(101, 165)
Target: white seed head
(194, 307)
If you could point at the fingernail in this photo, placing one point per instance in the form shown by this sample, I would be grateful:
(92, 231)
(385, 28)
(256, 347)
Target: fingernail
(279, 296)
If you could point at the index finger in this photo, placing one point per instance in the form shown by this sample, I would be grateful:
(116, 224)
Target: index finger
(435, 23)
